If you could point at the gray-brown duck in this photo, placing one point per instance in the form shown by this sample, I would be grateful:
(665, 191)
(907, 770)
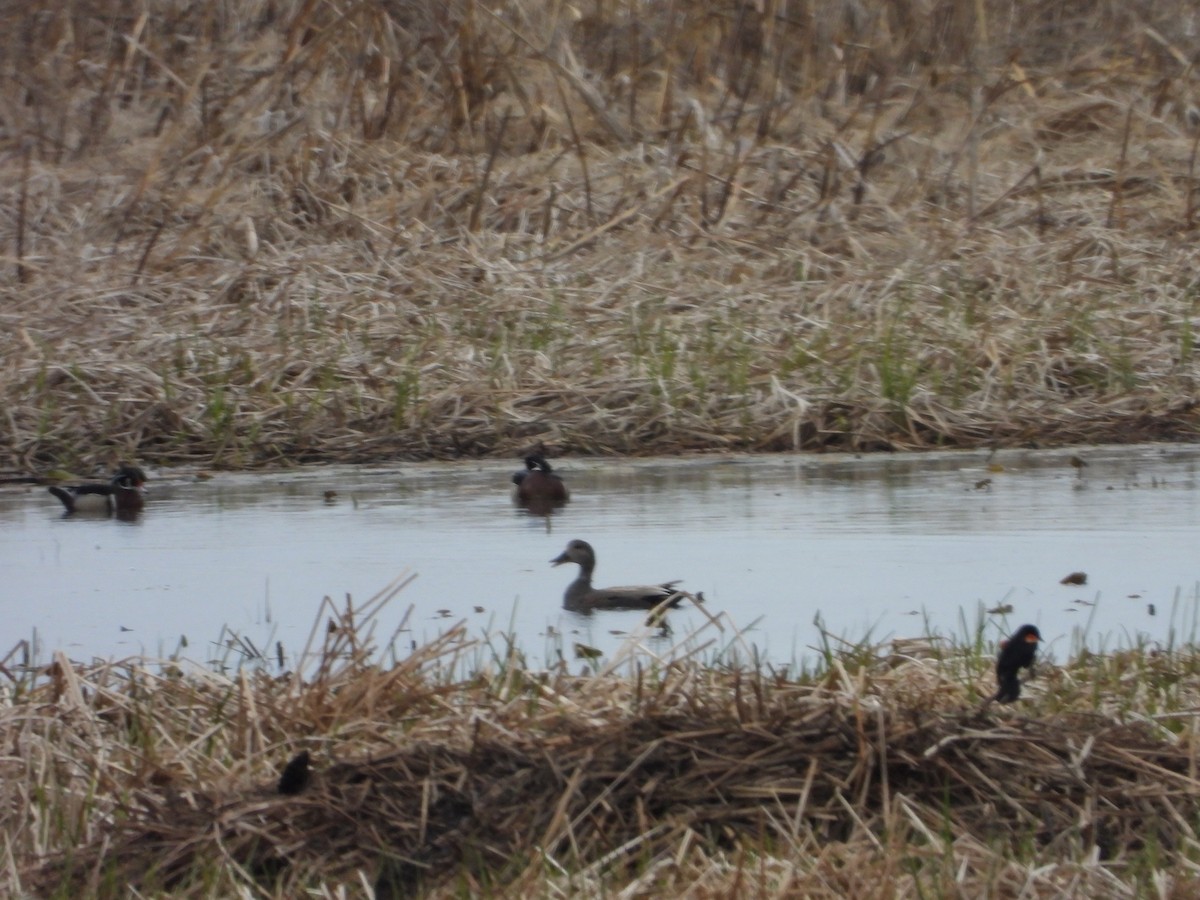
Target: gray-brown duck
(581, 596)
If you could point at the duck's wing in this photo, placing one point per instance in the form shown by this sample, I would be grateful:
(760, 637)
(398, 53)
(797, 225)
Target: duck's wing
(555, 488)
(641, 596)
(67, 498)
(84, 497)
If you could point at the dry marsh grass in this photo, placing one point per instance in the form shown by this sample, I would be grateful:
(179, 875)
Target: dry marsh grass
(456, 770)
(269, 231)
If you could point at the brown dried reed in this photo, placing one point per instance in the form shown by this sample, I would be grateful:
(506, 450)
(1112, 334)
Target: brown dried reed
(880, 776)
(281, 230)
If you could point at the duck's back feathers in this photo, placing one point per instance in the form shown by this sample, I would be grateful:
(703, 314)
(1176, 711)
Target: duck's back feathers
(642, 596)
(85, 498)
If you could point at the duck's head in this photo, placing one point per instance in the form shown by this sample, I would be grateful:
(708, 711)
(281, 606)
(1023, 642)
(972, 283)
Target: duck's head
(577, 552)
(535, 462)
(129, 478)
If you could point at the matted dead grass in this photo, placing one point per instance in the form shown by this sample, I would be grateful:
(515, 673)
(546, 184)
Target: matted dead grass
(880, 775)
(279, 230)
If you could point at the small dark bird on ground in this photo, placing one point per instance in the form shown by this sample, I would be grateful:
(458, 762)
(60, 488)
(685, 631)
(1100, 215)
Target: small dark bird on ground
(1015, 654)
(539, 487)
(295, 774)
(125, 493)
(582, 597)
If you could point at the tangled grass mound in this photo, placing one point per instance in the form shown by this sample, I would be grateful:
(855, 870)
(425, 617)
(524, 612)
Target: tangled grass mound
(879, 768)
(282, 230)
(625, 799)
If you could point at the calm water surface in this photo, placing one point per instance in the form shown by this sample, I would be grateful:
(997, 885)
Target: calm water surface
(886, 545)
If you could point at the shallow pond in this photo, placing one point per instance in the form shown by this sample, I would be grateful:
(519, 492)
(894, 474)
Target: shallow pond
(889, 545)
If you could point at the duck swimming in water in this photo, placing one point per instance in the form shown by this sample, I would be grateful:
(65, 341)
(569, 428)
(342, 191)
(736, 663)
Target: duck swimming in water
(539, 487)
(581, 596)
(124, 493)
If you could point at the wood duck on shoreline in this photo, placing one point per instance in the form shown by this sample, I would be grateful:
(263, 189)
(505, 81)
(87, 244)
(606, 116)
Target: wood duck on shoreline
(539, 487)
(124, 493)
(582, 597)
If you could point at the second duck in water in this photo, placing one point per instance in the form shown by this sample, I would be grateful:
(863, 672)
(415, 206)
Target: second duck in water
(581, 596)
(123, 493)
(539, 487)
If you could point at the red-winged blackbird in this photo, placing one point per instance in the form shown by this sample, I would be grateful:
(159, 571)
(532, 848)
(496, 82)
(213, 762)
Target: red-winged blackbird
(1015, 653)
(295, 775)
